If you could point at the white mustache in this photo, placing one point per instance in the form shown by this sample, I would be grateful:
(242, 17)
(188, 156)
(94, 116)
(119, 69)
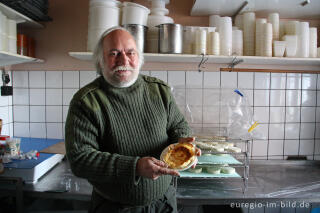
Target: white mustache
(128, 68)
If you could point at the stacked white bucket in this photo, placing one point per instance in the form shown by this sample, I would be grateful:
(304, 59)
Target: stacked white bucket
(313, 42)
(103, 14)
(189, 35)
(237, 41)
(225, 32)
(8, 34)
(249, 26)
(156, 17)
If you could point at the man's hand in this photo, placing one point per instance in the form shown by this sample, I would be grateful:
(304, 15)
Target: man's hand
(150, 167)
(191, 140)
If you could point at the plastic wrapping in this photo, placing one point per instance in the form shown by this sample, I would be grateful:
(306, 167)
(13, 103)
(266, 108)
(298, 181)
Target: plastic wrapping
(224, 112)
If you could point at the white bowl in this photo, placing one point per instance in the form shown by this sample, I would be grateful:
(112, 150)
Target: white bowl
(133, 13)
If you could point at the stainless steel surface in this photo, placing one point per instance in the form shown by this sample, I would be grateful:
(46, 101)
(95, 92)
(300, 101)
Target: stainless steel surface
(170, 38)
(269, 181)
(139, 32)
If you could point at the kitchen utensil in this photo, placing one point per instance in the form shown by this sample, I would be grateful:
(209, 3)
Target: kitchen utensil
(170, 38)
(139, 32)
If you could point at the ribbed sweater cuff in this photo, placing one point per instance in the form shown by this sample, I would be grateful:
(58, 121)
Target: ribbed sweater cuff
(127, 169)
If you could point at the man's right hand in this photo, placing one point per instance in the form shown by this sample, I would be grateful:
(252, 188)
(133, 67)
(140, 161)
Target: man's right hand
(150, 167)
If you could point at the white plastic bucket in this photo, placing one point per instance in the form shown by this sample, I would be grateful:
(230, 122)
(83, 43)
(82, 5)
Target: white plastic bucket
(133, 13)
(12, 44)
(100, 16)
(103, 14)
(93, 37)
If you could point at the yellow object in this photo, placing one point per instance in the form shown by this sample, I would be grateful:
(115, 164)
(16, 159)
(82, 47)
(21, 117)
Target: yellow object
(253, 126)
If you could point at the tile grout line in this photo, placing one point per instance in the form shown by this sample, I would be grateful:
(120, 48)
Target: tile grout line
(29, 106)
(269, 116)
(315, 131)
(253, 106)
(45, 102)
(285, 116)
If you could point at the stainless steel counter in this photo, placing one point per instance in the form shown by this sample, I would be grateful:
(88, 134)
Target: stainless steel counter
(269, 181)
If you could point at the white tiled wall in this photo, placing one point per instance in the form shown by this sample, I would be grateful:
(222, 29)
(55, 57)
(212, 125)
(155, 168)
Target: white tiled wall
(41, 100)
(287, 106)
(6, 110)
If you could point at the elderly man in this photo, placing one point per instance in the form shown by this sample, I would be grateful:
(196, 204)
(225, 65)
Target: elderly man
(117, 127)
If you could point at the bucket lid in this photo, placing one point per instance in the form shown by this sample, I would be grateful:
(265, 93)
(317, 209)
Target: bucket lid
(110, 3)
(131, 4)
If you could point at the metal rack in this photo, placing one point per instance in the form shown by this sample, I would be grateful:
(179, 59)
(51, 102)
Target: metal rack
(243, 157)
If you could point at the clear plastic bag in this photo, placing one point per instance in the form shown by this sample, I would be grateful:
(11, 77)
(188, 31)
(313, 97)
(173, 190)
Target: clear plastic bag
(224, 112)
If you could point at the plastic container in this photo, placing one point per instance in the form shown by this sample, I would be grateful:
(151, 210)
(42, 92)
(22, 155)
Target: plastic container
(12, 44)
(103, 14)
(12, 28)
(133, 13)
(3, 139)
(31, 48)
(279, 48)
(22, 44)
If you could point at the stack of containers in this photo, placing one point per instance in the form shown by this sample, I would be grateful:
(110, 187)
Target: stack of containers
(291, 27)
(266, 46)
(12, 36)
(214, 21)
(189, 39)
(313, 42)
(239, 22)
(134, 19)
(8, 34)
(249, 25)
(155, 18)
(273, 18)
(209, 30)
(291, 45)
(4, 33)
(225, 32)
(303, 40)
(103, 14)
(214, 43)
(237, 42)
(259, 35)
(282, 30)
(200, 46)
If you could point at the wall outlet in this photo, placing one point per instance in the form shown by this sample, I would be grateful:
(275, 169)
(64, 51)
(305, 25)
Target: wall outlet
(6, 90)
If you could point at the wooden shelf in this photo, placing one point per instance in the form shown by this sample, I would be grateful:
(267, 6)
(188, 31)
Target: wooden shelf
(7, 59)
(186, 58)
(20, 18)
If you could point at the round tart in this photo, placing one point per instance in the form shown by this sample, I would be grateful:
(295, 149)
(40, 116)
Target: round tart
(179, 156)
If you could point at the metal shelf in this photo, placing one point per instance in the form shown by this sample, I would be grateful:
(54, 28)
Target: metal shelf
(7, 58)
(20, 18)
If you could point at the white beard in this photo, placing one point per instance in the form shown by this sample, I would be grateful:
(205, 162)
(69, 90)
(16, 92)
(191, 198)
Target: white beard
(122, 84)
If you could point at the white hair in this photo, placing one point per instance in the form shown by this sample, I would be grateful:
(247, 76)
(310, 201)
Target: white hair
(98, 51)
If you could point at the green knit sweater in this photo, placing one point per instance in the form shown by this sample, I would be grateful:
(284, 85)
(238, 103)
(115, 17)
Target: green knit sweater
(108, 129)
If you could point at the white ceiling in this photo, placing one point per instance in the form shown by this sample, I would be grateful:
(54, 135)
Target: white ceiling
(285, 8)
